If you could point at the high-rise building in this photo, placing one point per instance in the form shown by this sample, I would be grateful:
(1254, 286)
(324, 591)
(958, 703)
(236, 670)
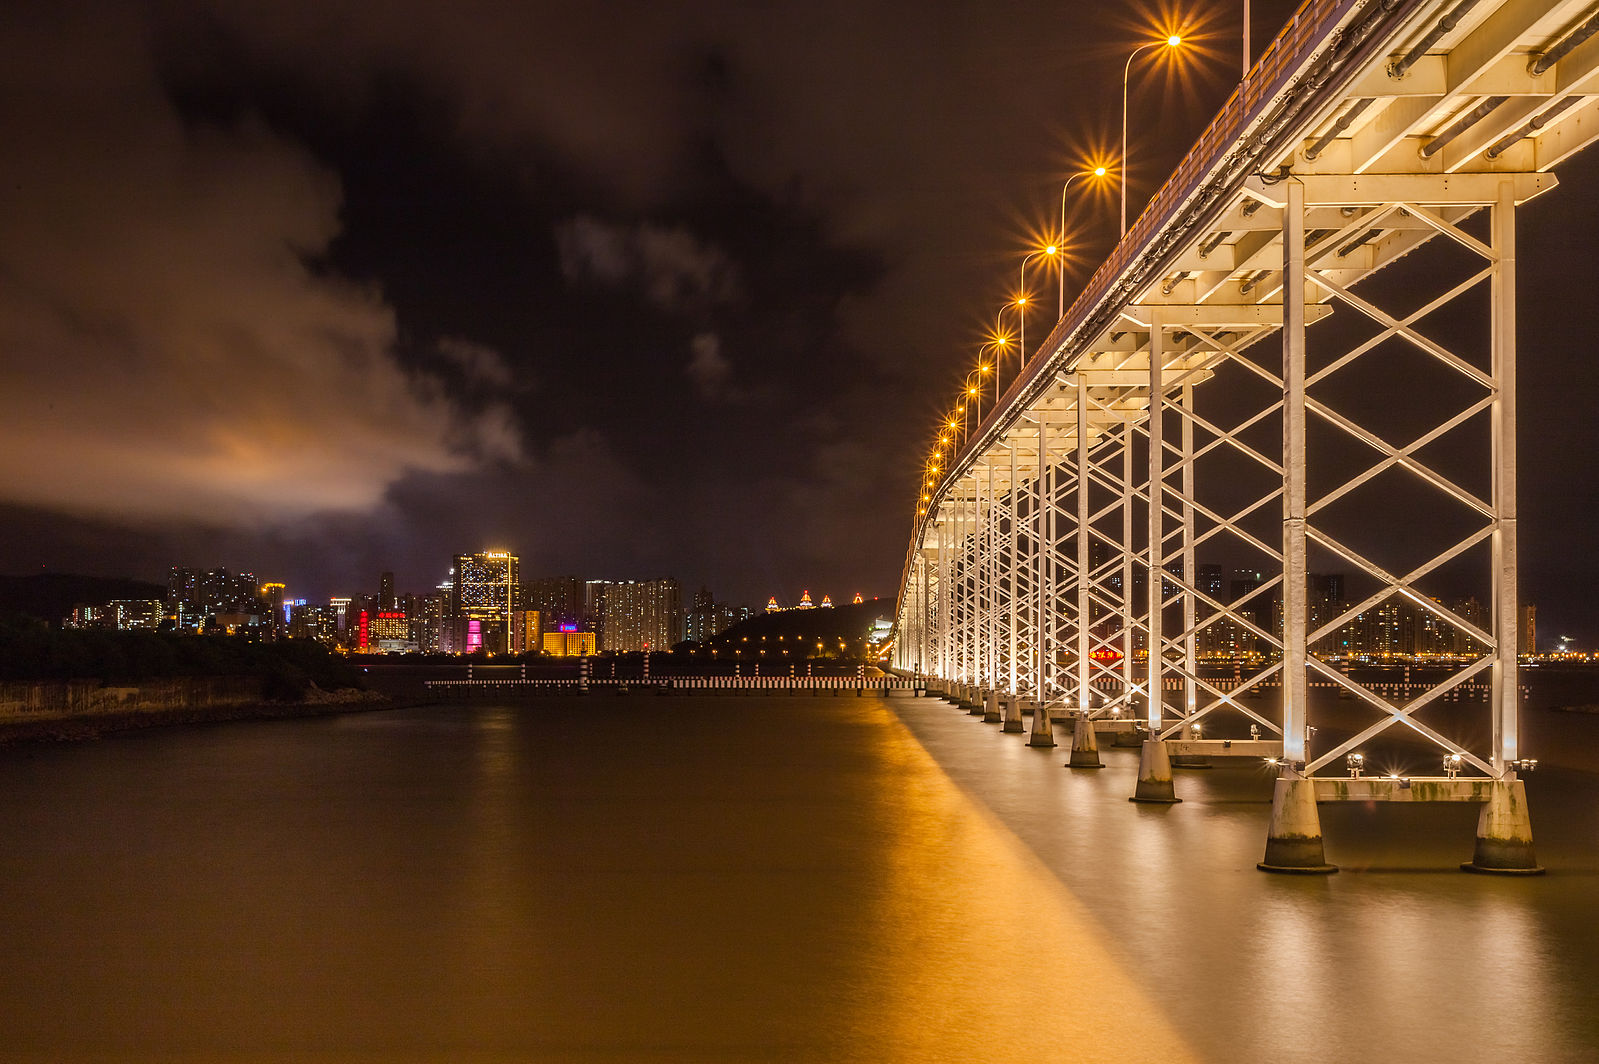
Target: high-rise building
(594, 592)
(483, 599)
(386, 601)
(559, 599)
(313, 622)
(1527, 629)
(699, 623)
(707, 618)
(195, 594)
(646, 615)
(431, 621)
(527, 627)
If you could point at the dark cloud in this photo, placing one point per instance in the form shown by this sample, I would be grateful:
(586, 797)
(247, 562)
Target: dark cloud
(169, 351)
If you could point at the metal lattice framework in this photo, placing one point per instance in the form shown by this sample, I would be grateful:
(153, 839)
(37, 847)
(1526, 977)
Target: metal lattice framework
(1209, 395)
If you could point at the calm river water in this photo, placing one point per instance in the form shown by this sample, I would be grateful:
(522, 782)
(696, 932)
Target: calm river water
(749, 879)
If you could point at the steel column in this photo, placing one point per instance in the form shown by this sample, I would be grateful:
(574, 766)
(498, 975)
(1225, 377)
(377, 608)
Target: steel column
(1084, 612)
(1154, 640)
(1041, 553)
(1295, 578)
(1505, 690)
(1190, 577)
(1013, 495)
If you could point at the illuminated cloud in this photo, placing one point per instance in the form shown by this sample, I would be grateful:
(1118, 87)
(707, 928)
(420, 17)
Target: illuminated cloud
(169, 350)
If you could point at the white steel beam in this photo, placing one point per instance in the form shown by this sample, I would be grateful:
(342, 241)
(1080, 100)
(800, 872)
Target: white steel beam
(1295, 569)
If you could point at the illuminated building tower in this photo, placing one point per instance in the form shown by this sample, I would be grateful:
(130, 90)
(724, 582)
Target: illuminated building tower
(646, 615)
(272, 599)
(858, 599)
(193, 595)
(482, 600)
(827, 602)
(771, 605)
(1527, 629)
(527, 627)
(805, 602)
(386, 592)
(559, 599)
(431, 620)
(594, 592)
(699, 624)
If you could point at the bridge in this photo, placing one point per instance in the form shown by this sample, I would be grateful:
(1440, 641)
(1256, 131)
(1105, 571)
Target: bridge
(1300, 360)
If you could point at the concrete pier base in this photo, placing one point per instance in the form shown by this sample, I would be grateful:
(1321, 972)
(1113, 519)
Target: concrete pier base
(1013, 715)
(991, 714)
(1504, 833)
(974, 700)
(1043, 734)
(1085, 748)
(1293, 842)
(1154, 775)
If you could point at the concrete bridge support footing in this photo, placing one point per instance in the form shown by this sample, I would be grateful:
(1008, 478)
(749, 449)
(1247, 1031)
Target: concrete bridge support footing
(1504, 833)
(1085, 747)
(1013, 715)
(974, 700)
(991, 713)
(1154, 775)
(1043, 733)
(1293, 842)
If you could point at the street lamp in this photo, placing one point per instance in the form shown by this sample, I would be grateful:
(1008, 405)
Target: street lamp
(998, 343)
(1170, 42)
(1098, 171)
(972, 393)
(1021, 305)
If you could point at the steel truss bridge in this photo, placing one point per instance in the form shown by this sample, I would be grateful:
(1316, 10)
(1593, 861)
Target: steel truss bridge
(1302, 354)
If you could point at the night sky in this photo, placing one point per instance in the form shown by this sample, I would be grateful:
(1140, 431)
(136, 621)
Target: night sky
(633, 289)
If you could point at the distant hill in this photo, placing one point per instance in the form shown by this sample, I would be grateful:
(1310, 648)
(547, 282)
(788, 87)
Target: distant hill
(798, 631)
(51, 596)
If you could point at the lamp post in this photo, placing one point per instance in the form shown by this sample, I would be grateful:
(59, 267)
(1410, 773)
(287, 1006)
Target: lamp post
(1171, 42)
(1020, 304)
(1060, 260)
(998, 343)
(1246, 38)
(972, 395)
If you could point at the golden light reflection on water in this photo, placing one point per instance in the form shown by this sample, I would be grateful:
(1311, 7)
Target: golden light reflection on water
(979, 953)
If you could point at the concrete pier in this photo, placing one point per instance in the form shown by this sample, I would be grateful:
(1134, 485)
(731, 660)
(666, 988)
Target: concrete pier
(1504, 833)
(1043, 733)
(1293, 841)
(1085, 747)
(1154, 775)
(1013, 714)
(991, 713)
